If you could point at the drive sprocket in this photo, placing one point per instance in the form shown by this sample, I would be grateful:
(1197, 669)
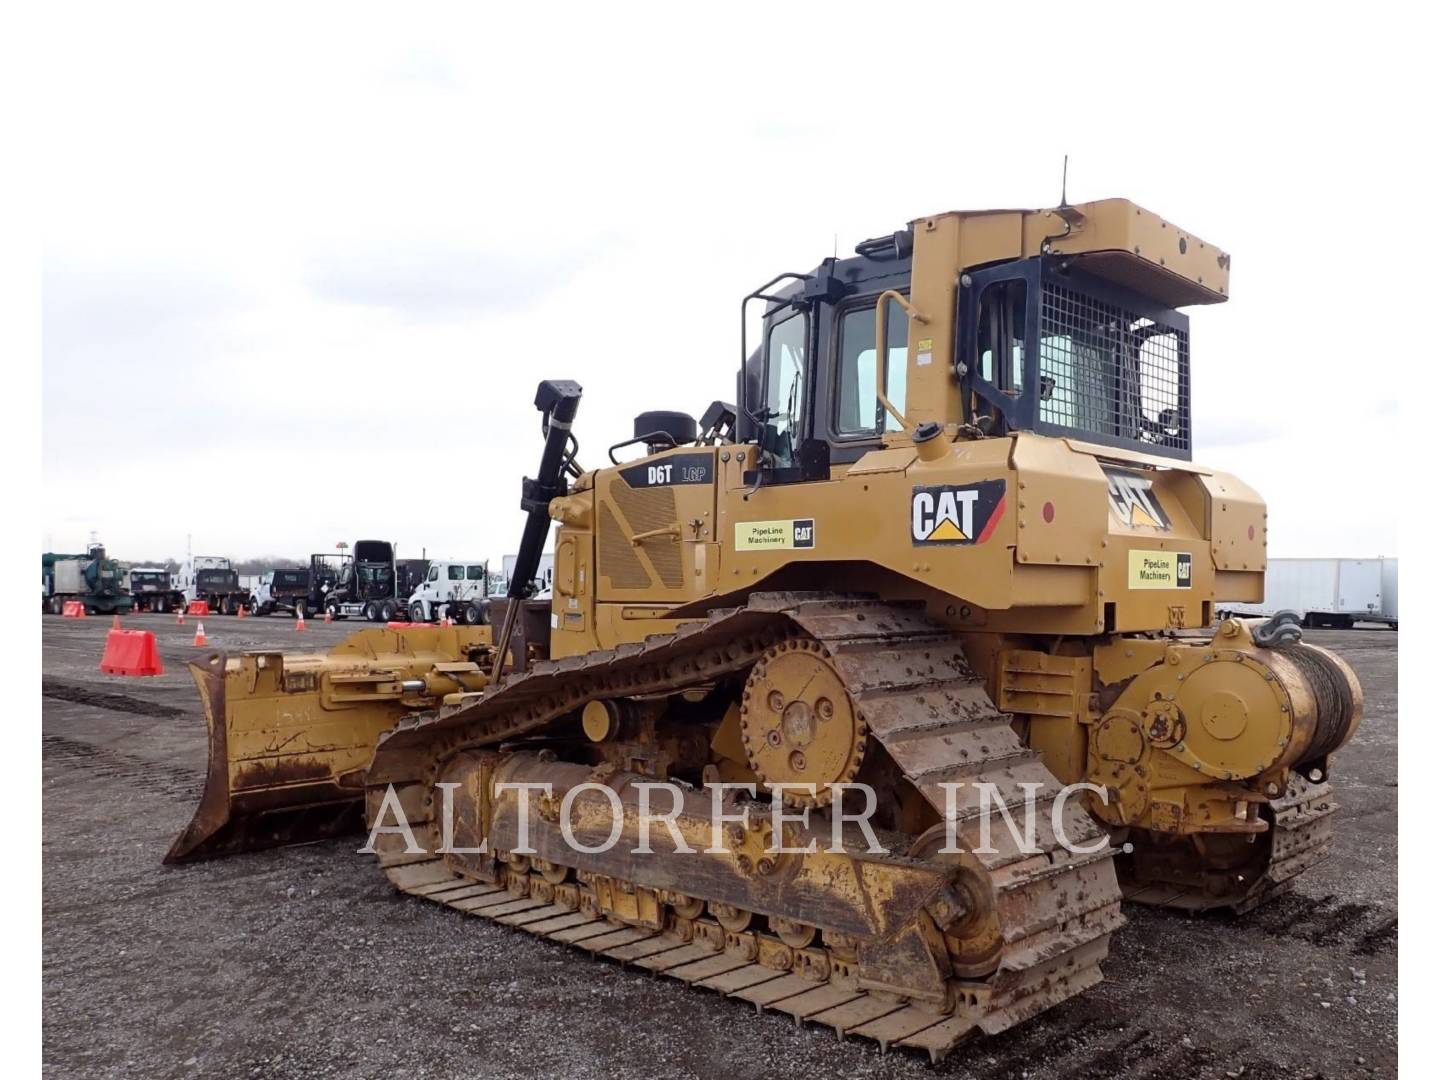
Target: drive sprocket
(798, 723)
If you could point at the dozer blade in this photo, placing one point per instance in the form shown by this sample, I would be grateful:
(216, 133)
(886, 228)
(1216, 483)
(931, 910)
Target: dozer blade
(290, 736)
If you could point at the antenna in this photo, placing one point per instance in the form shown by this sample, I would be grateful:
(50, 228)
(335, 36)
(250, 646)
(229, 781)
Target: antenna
(1067, 213)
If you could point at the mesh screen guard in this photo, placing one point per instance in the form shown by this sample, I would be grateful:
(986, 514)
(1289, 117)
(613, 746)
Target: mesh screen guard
(1112, 372)
(1051, 349)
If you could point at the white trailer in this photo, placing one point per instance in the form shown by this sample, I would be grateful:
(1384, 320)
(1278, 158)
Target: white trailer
(544, 574)
(1325, 592)
(1390, 591)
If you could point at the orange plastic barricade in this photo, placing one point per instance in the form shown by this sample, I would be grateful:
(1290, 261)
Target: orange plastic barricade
(131, 652)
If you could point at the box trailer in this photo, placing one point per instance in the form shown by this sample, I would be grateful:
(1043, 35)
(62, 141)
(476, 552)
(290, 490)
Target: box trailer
(544, 574)
(1325, 592)
(1390, 591)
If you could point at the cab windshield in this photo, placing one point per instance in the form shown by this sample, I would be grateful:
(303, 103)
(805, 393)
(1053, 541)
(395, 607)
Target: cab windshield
(376, 575)
(858, 408)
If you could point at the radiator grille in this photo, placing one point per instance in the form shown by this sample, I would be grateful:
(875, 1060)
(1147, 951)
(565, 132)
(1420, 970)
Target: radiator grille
(648, 509)
(1107, 371)
(642, 510)
(619, 564)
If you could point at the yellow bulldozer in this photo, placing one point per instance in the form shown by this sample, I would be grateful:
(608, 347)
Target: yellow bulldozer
(867, 698)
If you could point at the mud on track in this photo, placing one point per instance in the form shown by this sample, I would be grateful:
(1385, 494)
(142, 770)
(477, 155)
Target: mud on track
(304, 962)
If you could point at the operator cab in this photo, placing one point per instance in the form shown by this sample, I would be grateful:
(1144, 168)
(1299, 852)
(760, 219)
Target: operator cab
(1083, 345)
(807, 416)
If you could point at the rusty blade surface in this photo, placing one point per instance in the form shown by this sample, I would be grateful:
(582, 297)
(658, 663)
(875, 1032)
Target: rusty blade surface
(291, 735)
(250, 803)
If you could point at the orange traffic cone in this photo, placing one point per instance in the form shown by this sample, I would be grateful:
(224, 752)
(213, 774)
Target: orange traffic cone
(299, 622)
(200, 641)
(328, 617)
(180, 616)
(115, 622)
(241, 613)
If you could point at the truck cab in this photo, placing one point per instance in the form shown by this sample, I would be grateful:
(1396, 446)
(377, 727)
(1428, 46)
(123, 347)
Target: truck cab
(452, 588)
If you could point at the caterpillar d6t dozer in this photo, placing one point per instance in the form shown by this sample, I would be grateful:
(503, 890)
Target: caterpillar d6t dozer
(939, 589)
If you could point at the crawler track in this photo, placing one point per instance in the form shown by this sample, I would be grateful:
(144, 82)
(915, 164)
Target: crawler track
(1302, 826)
(1054, 909)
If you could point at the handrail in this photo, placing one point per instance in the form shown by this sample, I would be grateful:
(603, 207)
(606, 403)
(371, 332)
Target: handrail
(668, 530)
(882, 353)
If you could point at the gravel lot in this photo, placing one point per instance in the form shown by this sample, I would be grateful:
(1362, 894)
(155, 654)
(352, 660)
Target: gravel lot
(304, 962)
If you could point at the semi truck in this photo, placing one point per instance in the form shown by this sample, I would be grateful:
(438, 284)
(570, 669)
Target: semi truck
(281, 590)
(372, 583)
(213, 579)
(91, 578)
(1328, 592)
(151, 589)
(455, 589)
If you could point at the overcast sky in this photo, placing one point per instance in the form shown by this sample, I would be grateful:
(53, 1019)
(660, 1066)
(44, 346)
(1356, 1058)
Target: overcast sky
(304, 266)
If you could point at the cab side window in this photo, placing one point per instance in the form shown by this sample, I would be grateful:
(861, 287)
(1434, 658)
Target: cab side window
(475, 573)
(857, 407)
(1001, 335)
(456, 573)
(785, 388)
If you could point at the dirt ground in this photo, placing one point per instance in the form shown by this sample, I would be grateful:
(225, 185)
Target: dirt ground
(304, 962)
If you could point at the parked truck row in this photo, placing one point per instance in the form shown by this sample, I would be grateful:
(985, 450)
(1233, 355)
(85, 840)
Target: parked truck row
(369, 581)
